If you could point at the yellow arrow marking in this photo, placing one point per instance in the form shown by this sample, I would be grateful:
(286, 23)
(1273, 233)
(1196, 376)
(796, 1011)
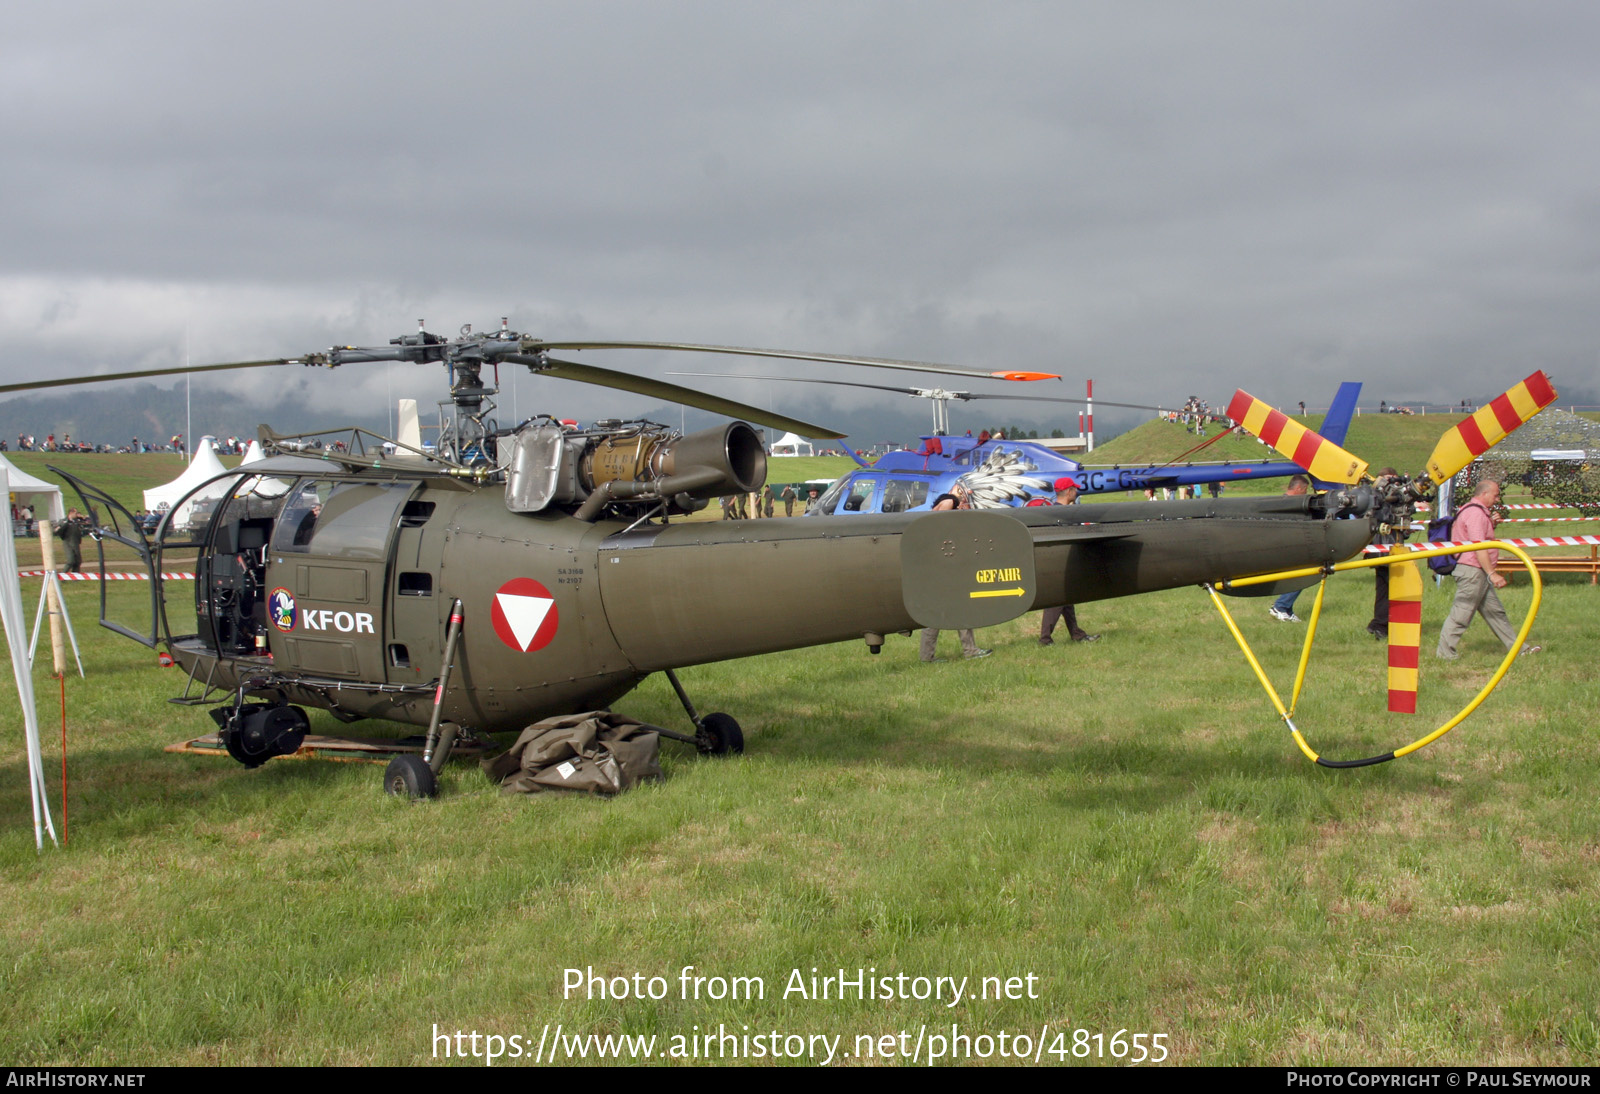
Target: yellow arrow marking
(995, 592)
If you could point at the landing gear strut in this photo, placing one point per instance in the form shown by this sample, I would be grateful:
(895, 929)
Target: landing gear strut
(417, 777)
(714, 734)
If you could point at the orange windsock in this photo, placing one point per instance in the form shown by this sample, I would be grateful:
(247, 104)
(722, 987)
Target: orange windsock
(1405, 635)
(1318, 455)
(1472, 437)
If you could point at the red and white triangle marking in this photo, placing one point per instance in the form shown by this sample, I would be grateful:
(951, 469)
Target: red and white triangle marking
(524, 615)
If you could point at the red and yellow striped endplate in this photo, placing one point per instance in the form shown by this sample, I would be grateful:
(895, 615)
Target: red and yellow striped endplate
(1318, 455)
(1405, 635)
(1474, 436)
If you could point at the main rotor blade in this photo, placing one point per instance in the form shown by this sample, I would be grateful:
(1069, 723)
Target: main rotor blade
(964, 396)
(1491, 424)
(660, 389)
(103, 377)
(535, 344)
(1055, 399)
(803, 380)
(1318, 455)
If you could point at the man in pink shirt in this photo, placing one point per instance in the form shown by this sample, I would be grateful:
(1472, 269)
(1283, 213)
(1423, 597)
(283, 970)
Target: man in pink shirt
(1476, 576)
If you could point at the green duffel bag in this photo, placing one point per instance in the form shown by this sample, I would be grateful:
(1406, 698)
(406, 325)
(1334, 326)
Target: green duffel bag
(593, 753)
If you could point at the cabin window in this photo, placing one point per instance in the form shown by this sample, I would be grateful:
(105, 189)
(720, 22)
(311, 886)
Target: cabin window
(830, 497)
(898, 496)
(415, 584)
(340, 519)
(416, 514)
(860, 499)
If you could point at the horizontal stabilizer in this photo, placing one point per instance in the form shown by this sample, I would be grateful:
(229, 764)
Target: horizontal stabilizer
(1078, 533)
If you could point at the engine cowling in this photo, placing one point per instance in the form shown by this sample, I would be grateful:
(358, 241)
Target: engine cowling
(639, 462)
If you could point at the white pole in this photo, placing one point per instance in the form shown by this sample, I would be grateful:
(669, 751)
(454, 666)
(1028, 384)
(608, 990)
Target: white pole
(1089, 407)
(188, 416)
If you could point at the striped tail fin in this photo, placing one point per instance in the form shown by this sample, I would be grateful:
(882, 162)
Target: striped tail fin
(1405, 635)
(1474, 436)
(1318, 455)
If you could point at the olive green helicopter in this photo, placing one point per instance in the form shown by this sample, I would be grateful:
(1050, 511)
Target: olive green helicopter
(509, 574)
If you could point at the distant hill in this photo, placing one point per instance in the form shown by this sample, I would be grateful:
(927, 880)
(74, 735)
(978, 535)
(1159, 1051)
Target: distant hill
(116, 415)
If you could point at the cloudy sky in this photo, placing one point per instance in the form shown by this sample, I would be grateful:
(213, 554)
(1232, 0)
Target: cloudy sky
(1164, 197)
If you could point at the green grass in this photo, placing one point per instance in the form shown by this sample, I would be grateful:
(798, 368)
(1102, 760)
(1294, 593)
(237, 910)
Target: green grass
(805, 468)
(1126, 821)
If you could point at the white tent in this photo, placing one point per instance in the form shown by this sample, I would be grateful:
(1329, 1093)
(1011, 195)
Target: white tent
(22, 671)
(30, 491)
(261, 487)
(790, 445)
(203, 466)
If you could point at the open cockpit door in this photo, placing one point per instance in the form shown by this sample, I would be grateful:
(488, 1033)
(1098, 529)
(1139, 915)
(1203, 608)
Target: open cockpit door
(228, 521)
(124, 528)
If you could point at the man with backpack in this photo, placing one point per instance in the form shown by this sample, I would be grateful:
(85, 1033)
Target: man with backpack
(1476, 576)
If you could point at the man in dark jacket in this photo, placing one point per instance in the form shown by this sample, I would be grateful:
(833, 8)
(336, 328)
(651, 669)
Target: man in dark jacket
(70, 533)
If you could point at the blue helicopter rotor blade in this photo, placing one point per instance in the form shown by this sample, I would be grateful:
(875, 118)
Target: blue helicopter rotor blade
(1337, 423)
(854, 455)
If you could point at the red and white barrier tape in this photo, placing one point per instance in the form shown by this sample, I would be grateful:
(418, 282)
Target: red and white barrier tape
(93, 576)
(1535, 541)
(1539, 505)
(1546, 520)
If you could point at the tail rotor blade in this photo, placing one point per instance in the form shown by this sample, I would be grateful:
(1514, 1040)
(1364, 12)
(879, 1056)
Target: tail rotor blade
(1491, 424)
(1405, 635)
(1325, 460)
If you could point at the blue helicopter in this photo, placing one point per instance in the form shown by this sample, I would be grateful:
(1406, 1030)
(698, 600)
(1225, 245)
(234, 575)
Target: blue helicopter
(1001, 472)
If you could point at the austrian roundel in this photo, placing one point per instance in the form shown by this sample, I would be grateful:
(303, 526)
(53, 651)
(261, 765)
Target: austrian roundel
(524, 615)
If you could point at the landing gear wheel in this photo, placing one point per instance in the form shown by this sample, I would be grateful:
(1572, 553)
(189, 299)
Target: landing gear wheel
(410, 777)
(233, 741)
(256, 732)
(719, 735)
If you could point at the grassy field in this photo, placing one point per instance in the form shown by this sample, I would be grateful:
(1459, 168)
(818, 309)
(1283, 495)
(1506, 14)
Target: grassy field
(1401, 441)
(124, 476)
(1124, 821)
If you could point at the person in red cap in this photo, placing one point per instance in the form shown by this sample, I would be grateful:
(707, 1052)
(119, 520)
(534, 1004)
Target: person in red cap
(1066, 494)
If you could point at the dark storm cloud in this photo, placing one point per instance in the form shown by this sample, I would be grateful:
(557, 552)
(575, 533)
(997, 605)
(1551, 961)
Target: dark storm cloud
(1168, 198)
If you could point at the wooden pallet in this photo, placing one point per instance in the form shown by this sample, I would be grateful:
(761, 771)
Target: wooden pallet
(346, 749)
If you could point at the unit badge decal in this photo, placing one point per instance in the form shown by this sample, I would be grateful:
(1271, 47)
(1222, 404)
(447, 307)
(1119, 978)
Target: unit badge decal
(280, 606)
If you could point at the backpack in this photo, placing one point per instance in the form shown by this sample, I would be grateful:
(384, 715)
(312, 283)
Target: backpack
(1440, 530)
